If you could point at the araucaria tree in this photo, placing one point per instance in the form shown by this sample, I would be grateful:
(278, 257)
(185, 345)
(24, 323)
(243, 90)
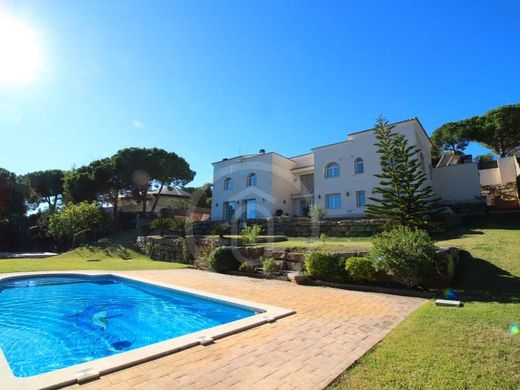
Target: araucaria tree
(403, 197)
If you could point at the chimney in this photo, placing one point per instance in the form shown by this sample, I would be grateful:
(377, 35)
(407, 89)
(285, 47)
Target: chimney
(261, 151)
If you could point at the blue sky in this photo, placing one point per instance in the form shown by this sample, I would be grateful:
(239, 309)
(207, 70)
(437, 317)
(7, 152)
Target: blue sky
(212, 79)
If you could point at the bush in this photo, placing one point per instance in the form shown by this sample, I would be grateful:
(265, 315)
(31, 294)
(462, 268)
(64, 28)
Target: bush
(404, 253)
(182, 225)
(249, 234)
(163, 224)
(323, 238)
(221, 229)
(203, 254)
(316, 213)
(222, 260)
(278, 212)
(361, 269)
(270, 267)
(73, 219)
(326, 267)
(247, 267)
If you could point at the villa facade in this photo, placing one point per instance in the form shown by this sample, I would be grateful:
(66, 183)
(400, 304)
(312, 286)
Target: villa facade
(339, 177)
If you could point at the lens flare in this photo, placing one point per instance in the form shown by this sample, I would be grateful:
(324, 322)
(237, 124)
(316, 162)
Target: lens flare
(20, 51)
(515, 329)
(450, 293)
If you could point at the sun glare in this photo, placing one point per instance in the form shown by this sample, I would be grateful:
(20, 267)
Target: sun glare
(20, 52)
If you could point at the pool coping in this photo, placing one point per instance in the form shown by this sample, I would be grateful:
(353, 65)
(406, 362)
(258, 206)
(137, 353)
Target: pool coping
(94, 369)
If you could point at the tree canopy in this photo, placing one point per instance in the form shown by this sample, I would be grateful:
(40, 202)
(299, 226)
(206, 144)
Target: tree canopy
(450, 137)
(46, 186)
(497, 129)
(13, 193)
(141, 167)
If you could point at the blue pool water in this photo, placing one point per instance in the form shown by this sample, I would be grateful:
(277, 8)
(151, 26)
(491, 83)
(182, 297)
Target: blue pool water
(55, 321)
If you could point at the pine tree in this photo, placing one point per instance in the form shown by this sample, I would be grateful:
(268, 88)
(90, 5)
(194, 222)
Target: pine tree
(404, 198)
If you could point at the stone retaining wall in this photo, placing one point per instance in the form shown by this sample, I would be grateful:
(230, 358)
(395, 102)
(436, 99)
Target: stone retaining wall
(303, 227)
(185, 250)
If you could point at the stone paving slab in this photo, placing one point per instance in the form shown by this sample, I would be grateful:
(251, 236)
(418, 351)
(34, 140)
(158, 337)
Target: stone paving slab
(331, 329)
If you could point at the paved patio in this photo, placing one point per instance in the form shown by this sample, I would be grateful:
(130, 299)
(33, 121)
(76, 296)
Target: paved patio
(331, 329)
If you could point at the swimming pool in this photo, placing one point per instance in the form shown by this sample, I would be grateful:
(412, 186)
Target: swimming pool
(51, 322)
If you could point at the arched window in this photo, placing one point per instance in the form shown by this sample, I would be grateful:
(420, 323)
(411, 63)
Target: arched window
(332, 170)
(251, 180)
(228, 184)
(358, 166)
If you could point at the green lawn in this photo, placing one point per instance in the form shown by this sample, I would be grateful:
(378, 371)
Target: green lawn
(331, 243)
(457, 348)
(116, 256)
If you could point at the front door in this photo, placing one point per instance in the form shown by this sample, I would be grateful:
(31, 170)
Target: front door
(304, 207)
(250, 209)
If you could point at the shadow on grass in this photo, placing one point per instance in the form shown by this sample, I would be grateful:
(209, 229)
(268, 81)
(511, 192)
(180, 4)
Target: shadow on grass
(110, 249)
(474, 225)
(479, 280)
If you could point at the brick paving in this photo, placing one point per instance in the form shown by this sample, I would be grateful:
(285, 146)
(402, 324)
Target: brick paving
(331, 329)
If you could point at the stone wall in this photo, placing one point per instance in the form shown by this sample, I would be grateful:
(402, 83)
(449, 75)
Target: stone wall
(304, 227)
(174, 249)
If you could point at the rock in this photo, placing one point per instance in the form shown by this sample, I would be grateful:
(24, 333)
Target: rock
(298, 278)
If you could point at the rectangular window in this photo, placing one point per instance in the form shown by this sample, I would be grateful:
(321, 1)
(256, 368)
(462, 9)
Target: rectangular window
(229, 210)
(250, 209)
(360, 198)
(333, 201)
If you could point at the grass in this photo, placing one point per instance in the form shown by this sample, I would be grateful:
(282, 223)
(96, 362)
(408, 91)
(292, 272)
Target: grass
(115, 255)
(331, 243)
(457, 348)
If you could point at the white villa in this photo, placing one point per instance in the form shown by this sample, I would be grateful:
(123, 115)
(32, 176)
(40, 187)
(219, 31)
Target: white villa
(339, 177)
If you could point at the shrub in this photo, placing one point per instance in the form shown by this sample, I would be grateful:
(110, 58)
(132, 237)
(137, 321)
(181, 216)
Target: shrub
(404, 253)
(221, 229)
(249, 234)
(361, 269)
(73, 219)
(270, 267)
(325, 266)
(162, 224)
(323, 238)
(278, 212)
(247, 267)
(316, 213)
(182, 225)
(222, 260)
(203, 254)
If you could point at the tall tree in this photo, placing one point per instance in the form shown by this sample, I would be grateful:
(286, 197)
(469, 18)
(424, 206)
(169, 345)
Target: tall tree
(403, 197)
(451, 137)
(79, 185)
(499, 129)
(142, 167)
(109, 182)
(46, 187)
(13, 193)
(200, 196)
(171, 171)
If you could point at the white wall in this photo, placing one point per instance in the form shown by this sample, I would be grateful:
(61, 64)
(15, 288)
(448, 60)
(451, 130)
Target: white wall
(303, 160)
(457, 183)
(278, 177)
(275, 184)
(284, 184)
(489, 177)
(509, 169)
(238, 169)
(360, 145)
(507, 172)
